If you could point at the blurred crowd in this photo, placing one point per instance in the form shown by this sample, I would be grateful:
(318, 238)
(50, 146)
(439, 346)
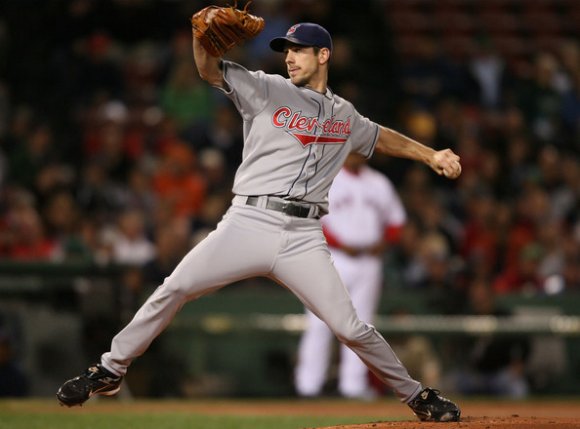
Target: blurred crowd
(112, 150)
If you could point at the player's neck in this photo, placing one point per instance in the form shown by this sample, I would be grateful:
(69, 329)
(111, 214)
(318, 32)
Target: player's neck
(318, 83)
(321, 90)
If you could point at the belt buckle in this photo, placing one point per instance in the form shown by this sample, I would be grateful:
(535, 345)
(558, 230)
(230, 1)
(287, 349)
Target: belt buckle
(286, 205)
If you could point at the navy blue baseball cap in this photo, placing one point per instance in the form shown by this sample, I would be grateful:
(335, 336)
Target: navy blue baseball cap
(305, 34)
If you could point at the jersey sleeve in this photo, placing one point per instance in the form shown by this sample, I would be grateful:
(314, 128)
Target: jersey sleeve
(247, 89)
(364, 134)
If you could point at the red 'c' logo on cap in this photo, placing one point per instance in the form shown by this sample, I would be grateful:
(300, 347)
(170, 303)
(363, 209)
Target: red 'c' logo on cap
(292, 29)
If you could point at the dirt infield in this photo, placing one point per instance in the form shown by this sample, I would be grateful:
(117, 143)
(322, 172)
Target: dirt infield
(490, 415)
(475, 414)
(476, 423)
(382, 414)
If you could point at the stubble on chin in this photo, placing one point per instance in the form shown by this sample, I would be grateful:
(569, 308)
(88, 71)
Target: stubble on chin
(298, 81)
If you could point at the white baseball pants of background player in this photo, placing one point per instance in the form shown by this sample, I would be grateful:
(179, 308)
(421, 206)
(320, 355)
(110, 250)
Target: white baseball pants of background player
(362, 277)
(253, 241)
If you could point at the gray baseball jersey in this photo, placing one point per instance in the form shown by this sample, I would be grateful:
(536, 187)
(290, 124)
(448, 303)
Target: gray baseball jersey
(296, 139)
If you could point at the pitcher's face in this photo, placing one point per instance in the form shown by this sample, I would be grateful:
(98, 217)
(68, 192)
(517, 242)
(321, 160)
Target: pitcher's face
(304, 64)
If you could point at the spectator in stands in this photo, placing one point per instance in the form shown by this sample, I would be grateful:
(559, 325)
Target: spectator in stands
(436, 218)
(109, 146)
(142, 70)
(488, 74)
(425, 79)
(416, 187)
(405, 261)
(540, 101)
(52, 177)
(178, 182)
(524, 276)
(99, 70)
(560, 264)
(91, 234)
(138, 193)
(127, 242)
(480, 244)
(440, 275)
(97, 195)
(25, 235)
(29, 156)
(571, 110)
(551, 238)
(491, 174)
(569, 57)
(185, 98)
(519, 163)
(531, 212)
(164, 135)
(549, 161)
(63, 221)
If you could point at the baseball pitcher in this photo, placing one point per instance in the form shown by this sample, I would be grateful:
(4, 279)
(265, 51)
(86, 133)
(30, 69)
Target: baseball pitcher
(297, 134)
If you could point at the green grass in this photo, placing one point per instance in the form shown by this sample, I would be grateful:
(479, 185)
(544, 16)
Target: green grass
(102, 421)
(43, 414)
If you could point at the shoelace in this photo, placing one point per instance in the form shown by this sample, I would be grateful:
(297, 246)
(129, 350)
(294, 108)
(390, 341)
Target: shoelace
(435, 392)
(438, 394)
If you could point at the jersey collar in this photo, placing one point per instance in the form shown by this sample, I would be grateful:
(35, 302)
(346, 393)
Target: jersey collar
(328, 93)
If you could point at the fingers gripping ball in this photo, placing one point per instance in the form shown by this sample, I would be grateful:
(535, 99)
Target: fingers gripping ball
(446, 163)
(453, 170)
(221, 28)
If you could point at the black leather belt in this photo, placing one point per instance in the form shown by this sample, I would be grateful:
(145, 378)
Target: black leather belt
(286, 207)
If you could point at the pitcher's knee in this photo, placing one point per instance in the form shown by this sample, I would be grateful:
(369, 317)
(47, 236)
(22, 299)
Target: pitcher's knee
(352, 333)
(172, 290)
(180, 285)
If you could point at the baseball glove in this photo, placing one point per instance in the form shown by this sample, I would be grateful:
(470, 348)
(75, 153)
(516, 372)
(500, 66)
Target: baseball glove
(220, 28)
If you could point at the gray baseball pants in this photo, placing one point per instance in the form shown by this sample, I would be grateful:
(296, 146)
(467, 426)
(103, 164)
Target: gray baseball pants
(253, 241)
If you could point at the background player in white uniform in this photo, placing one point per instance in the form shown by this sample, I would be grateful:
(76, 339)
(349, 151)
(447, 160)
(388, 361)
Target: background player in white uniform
(297, 134)
(365, 212)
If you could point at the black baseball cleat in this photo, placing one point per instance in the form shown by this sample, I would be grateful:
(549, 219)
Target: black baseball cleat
(95, 381)
(430, 406)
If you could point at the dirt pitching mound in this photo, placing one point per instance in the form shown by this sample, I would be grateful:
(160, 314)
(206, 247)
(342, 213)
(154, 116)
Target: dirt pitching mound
(469, 422)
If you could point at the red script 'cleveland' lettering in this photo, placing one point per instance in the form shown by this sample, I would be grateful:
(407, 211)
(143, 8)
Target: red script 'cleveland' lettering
(330, 131)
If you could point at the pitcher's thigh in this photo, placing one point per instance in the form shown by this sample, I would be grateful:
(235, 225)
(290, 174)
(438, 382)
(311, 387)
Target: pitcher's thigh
(234, 251)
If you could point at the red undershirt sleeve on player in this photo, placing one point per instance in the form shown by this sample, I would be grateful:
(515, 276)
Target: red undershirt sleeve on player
(392, 233)
(331, 238)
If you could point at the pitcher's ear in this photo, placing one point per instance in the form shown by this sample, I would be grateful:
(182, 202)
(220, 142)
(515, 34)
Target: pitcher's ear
(324, 55)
